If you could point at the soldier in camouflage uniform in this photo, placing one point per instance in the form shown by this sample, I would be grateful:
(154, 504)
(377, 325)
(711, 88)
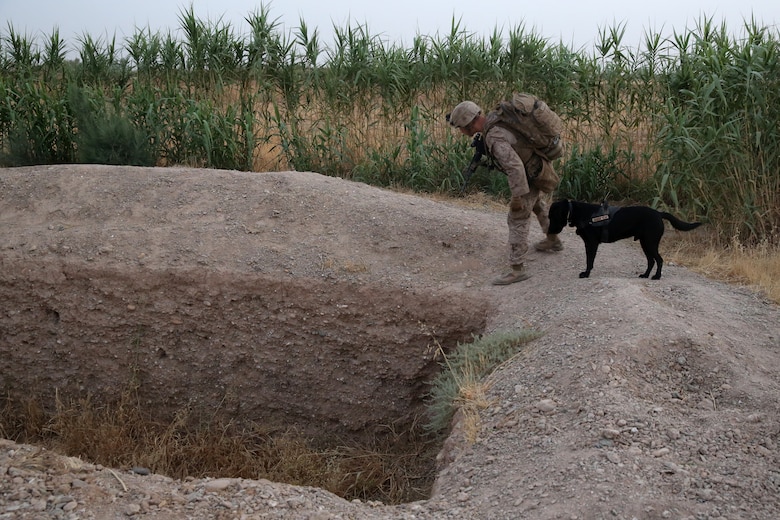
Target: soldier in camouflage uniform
(526, 199)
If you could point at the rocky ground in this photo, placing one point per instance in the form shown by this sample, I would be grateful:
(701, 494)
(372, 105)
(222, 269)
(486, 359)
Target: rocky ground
(643, 399)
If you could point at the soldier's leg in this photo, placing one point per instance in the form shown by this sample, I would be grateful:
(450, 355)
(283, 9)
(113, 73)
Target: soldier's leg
(519, 225)
(541, 212)
(551, 242)
(519, 230)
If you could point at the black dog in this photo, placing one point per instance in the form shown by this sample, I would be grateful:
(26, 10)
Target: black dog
(597, 224)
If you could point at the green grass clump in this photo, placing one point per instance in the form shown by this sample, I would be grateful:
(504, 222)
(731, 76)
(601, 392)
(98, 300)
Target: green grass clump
(461, 382)
(105, 136)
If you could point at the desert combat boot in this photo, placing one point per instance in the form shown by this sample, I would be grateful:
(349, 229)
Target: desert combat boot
(517, 274)
(550, 244)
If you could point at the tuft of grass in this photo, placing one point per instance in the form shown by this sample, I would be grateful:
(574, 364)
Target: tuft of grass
(461, 386)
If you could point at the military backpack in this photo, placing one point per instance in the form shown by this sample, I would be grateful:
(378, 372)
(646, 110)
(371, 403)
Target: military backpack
(539, 126)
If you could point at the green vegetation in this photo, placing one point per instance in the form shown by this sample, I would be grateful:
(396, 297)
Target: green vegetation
(687, 122)
(461, 384)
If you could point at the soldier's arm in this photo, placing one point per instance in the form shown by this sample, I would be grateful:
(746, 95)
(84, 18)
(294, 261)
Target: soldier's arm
(510, 163)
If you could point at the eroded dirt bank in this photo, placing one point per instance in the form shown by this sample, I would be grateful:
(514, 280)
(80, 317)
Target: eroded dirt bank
(326, 359)
(247, 295)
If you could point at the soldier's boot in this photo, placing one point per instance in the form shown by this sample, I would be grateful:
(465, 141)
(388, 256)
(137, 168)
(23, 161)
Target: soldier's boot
(517, 274)
(550, 244)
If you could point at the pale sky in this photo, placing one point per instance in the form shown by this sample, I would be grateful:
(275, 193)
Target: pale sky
(573, 22)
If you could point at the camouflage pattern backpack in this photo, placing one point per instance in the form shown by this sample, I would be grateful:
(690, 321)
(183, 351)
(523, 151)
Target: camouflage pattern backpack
(538, 132)
(534, 122)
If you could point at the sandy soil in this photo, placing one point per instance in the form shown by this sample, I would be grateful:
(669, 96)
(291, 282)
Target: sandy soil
(644, 399)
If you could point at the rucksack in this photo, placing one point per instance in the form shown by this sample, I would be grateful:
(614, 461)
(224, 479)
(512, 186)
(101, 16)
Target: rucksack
(531, 118)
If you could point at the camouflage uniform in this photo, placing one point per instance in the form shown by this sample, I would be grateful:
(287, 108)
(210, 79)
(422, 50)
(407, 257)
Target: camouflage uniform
(512, 157)
(500, 144)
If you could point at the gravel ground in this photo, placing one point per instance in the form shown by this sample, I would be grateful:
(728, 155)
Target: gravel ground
(643, 399)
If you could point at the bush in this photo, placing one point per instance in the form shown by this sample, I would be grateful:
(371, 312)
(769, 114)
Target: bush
(105, 137)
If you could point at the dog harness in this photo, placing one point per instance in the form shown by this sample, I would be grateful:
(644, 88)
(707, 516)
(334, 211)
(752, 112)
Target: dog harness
(601, 218)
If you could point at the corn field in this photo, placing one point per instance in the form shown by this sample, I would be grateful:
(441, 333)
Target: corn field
(687, 122)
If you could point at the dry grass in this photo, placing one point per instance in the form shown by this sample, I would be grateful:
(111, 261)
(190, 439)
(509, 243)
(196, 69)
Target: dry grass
(467, 374)
(757, 267)
(347, 266)
(123, 435)
(472, 398)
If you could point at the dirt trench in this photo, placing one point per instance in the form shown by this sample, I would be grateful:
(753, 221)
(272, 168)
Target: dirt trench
(326, 359)
(288, 299)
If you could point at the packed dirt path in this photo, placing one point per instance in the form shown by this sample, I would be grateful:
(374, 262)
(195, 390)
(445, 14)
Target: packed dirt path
(642, 400)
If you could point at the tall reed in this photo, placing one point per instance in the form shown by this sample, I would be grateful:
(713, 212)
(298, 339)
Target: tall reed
(719, 137)
(686, 121)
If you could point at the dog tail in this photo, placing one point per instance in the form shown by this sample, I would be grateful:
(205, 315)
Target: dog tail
(679, 224)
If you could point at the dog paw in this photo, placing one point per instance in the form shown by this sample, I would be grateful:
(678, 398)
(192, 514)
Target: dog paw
(584, 274)
(657, 277)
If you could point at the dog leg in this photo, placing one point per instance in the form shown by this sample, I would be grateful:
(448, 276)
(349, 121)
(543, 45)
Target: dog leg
(650, 248)
(650, 264)
(660, 262)
(590, 257)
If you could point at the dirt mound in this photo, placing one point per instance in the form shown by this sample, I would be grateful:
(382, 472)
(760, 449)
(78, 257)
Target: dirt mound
(297, 297)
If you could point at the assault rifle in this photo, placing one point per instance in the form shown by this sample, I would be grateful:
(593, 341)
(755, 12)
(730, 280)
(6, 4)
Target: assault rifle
(476, 161)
